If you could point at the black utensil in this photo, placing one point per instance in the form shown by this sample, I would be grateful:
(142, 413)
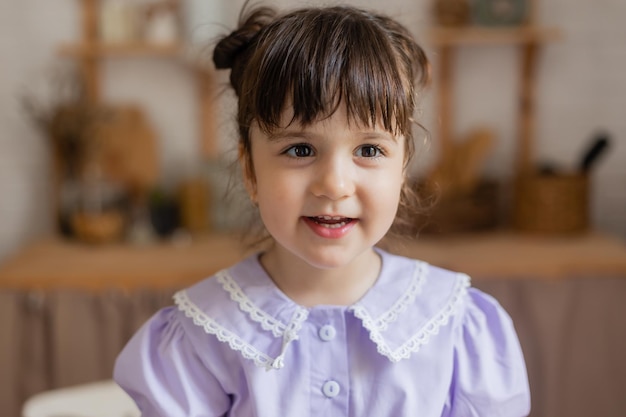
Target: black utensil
(598, 146)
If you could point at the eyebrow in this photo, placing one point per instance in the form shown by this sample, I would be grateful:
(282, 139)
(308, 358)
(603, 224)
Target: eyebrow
(387, 136)
(283, 135)
(298, 134)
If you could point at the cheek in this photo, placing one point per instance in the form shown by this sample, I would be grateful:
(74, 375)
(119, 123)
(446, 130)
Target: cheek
(388, 182)
(277, 193)
(385, 191)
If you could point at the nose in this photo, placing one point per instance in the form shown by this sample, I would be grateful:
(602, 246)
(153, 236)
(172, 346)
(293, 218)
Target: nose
(334, 179)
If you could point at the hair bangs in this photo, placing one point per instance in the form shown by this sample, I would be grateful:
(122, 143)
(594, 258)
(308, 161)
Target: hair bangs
(353, 65)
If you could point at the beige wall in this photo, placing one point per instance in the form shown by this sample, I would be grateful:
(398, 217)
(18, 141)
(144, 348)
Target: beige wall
(582, 88)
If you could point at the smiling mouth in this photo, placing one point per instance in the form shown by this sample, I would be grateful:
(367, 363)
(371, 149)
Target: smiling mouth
(331, 222)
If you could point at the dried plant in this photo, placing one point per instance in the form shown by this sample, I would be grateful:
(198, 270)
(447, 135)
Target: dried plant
(67, 119)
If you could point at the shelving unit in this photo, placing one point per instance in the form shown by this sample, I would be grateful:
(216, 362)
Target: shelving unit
(89, 51)
(528, 38)
(449, 36)
(82, 50)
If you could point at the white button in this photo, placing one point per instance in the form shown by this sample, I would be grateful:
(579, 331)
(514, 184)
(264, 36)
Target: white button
(327, 333)
(331, 389)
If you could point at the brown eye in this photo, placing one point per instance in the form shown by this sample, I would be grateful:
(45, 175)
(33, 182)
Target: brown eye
(299, 151)
(369, 151)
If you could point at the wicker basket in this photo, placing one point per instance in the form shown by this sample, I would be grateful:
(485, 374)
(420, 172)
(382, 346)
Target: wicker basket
(474, 211)
(552, 204)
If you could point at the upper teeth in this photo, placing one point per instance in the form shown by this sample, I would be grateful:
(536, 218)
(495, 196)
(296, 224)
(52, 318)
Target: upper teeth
(330, 217)
(334, 225)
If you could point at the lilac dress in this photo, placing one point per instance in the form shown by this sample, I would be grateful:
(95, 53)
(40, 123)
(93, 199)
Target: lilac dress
(421, 342)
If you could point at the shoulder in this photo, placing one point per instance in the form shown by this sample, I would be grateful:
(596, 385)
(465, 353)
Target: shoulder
(242, 309)
(215, 318)
(490, 376)
(440, 288)
(448, 314)
(214, 313)
(435, 290)
(159, 368)
(238, 298)
(415, 304)
(449, 295)
(412, 305)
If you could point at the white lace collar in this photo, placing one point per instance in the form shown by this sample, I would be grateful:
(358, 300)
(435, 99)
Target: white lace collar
(407, 306)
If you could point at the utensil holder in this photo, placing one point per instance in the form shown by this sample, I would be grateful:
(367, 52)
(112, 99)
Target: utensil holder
(552, 204)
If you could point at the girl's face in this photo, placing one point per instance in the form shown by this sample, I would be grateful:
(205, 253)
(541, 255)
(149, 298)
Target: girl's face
(328, 192)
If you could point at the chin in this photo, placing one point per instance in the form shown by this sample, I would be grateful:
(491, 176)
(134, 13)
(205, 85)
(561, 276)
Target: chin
(331, 258)
(325, 263)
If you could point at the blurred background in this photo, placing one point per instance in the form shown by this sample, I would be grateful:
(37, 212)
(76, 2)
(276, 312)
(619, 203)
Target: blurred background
(579, 92)
(116, 176)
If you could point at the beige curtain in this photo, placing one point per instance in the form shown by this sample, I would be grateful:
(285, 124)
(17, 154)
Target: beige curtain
(573, 333)
(63, 338)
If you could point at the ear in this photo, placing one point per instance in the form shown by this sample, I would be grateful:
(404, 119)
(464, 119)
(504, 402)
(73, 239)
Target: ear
(247, 170)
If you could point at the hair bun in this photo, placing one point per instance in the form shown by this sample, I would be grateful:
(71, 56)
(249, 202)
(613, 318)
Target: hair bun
(233, 46)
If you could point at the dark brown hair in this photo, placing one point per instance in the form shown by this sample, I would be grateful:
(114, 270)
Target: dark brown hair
(316, 59)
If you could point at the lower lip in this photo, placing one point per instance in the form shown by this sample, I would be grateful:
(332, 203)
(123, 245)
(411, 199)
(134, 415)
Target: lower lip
(328, 232)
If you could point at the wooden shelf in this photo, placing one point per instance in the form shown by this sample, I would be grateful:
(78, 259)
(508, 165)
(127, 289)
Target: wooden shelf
(449, 36)
(55, 264)
(134, 49)
(89, 52)
(528, 39)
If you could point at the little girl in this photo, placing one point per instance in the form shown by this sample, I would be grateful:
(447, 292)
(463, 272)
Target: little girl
(322, 322)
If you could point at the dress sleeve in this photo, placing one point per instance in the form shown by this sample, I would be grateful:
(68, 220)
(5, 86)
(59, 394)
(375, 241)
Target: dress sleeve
(161, 371)
(489, 371)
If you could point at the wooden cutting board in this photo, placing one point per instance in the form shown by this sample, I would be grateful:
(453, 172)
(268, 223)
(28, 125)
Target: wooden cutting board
(126, 147)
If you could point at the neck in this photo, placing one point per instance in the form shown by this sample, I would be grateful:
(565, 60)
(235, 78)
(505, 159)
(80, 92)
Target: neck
(309, 286)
